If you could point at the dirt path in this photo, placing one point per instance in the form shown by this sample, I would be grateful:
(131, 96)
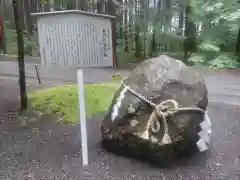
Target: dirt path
(48, 151)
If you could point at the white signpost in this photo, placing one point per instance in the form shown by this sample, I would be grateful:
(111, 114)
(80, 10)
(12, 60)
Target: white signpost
(77, 39)
(82, 116)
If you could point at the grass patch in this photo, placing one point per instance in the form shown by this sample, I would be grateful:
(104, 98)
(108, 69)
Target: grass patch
(64, 100)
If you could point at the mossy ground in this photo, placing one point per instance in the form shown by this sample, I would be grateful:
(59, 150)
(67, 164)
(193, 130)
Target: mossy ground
(64, 100)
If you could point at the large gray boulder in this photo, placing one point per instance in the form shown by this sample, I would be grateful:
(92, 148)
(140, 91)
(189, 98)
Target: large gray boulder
(126, 128)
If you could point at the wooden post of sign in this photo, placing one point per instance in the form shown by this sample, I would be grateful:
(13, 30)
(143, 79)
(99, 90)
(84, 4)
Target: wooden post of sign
(82, 117)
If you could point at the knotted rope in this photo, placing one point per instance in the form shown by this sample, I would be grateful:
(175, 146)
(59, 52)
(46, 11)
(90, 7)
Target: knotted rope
(161, 113)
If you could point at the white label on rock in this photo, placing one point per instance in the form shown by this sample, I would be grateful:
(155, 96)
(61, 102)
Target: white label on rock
(206, 124)
(202, 145)
(204, 134)
(118, 103)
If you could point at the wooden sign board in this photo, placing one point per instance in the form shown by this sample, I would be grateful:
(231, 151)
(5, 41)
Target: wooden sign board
(76, 38)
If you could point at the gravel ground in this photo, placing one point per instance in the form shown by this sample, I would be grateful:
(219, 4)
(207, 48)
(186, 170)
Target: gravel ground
(46, 150)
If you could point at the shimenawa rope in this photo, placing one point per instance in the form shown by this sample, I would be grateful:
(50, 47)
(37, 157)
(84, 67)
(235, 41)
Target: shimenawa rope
(161, 113)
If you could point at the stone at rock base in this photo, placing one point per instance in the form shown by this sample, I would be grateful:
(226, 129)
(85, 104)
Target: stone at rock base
(157, 79)
(160, 156)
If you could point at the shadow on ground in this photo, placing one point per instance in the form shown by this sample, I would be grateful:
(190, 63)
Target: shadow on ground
(46, 150)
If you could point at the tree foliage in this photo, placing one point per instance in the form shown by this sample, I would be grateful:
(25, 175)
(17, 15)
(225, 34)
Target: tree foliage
(218, 41)
(205, 32)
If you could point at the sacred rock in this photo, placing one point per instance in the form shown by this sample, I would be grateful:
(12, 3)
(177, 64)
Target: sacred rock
(158, 112)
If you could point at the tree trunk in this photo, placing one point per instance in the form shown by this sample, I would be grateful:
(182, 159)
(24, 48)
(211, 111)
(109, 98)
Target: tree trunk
(94, 6)
(110, 7)
(189, 44)
(238, 45)
(83, 5)
(33, 9)
(153, 42)
(21, 14)
(28, 21)
(2, 28)
(33, 5)
(77, 4)
(145, 9)
(71, 4)
(130, 24)
(46, 7)
(8, 13)
(138, 46)
(167, 9)
(19, 30)
(51, 5)
(126, 45)
(121, 29)
(99, 6)
(181, 21)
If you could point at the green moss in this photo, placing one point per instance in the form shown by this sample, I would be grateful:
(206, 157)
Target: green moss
(64, 99)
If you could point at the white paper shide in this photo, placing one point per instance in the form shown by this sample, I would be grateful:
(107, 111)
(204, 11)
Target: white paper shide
(205, 133)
